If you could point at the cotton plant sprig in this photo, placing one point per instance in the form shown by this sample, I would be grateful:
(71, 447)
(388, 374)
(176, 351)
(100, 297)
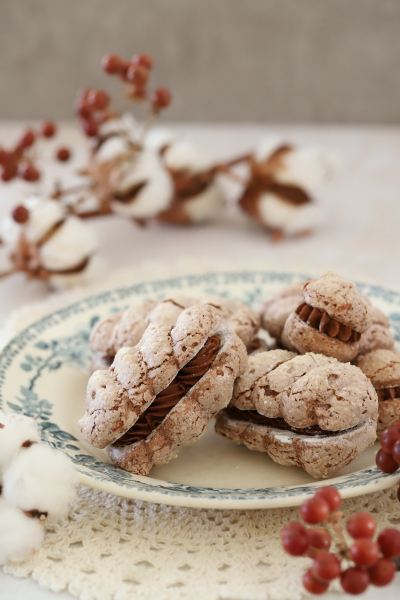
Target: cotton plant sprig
(37, 484)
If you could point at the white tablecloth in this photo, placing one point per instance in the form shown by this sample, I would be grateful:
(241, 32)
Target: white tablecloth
(360, 238)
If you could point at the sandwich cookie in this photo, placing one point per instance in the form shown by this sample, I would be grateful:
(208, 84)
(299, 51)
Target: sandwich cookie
(382, 367)
(127, 327)
(330, 319)
(378, 336)
(161, 394)
(310, 411)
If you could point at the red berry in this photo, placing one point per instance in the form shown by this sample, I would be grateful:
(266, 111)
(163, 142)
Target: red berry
(143, 60)
(389, 542)
(139, 91)
(63, 154)
(326, 566)
(331, 495)
(20, 214)
(315, 510)
(9, 172)
(319, 538)
(294, 538)
(27, 139)
(312, 585)
(396, 424)
(354, 580)
(4, 157)
(364, 552)
(137, 75)
(98, 100)
(396, 451)
(89, 127)
(388, 439)
(161, 98)
(382, 572)
(83, 109)
(28, 172)
(385, 462)
(361, 525)
(48, 129)
(112, 63)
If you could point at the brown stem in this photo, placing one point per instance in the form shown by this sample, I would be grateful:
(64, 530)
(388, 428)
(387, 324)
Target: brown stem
(7, 273)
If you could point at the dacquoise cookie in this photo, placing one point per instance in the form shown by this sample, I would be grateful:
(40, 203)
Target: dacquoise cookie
(309, 410)
(382, 367)
(126, 328)
(330, 319)
(161, 393)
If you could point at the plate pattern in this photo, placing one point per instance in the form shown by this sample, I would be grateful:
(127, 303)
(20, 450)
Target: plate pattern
(37, 351)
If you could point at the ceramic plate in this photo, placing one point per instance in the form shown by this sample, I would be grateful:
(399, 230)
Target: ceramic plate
(44, 371)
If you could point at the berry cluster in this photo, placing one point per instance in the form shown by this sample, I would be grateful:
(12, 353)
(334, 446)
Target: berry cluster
(93, 106)
(371, 559)
(20, 160)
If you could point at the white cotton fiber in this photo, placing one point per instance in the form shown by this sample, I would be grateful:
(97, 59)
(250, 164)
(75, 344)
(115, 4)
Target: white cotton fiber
(16, 430)
(183, 155)
(19, 535)
(40, 478)
(72, 243)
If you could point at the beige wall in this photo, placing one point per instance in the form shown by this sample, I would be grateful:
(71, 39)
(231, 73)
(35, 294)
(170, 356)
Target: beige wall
(230, 60)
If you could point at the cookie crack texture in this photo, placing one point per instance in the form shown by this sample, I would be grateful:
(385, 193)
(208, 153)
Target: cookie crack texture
(188, 419)
(139, 373)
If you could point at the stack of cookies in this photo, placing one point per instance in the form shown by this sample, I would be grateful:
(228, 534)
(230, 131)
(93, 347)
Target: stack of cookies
(165, 368)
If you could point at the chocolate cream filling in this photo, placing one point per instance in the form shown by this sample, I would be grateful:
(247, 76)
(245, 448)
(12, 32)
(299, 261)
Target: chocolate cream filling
(164, 402)
(321, 321)
(252, 416)
(388, 393)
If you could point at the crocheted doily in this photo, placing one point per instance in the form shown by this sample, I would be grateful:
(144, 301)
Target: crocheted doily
(111, 548)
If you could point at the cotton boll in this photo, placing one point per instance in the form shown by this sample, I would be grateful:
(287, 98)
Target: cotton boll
(40, 478)
(43, 215)
(267, 146)
(19, 535)
(96, 268)
(291, 219)
(17, 429)
(203, 206)
(185, 156)
(159, 138)
(71, 244)
(306, 167)
(144, 168)
(112, 148)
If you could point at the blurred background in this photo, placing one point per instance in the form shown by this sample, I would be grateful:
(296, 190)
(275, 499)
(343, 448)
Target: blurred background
(288, 61)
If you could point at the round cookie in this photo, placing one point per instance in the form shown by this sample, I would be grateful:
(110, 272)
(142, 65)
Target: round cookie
(275, 310)
(382, 367)
(330, 320)
(378, 335)
(323, 413)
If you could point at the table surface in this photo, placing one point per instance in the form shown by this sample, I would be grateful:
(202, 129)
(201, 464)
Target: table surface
(360, 237)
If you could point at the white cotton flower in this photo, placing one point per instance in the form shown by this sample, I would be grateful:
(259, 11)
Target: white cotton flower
(40, 478)
(17, 429)
(96, 268)
(112, 148)
(70, 245)
(291, 219)
(185, 156)
(159, 138)
(44, 213)
(205, 205)
(145, 168)
(307, 167)
(19, 535)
